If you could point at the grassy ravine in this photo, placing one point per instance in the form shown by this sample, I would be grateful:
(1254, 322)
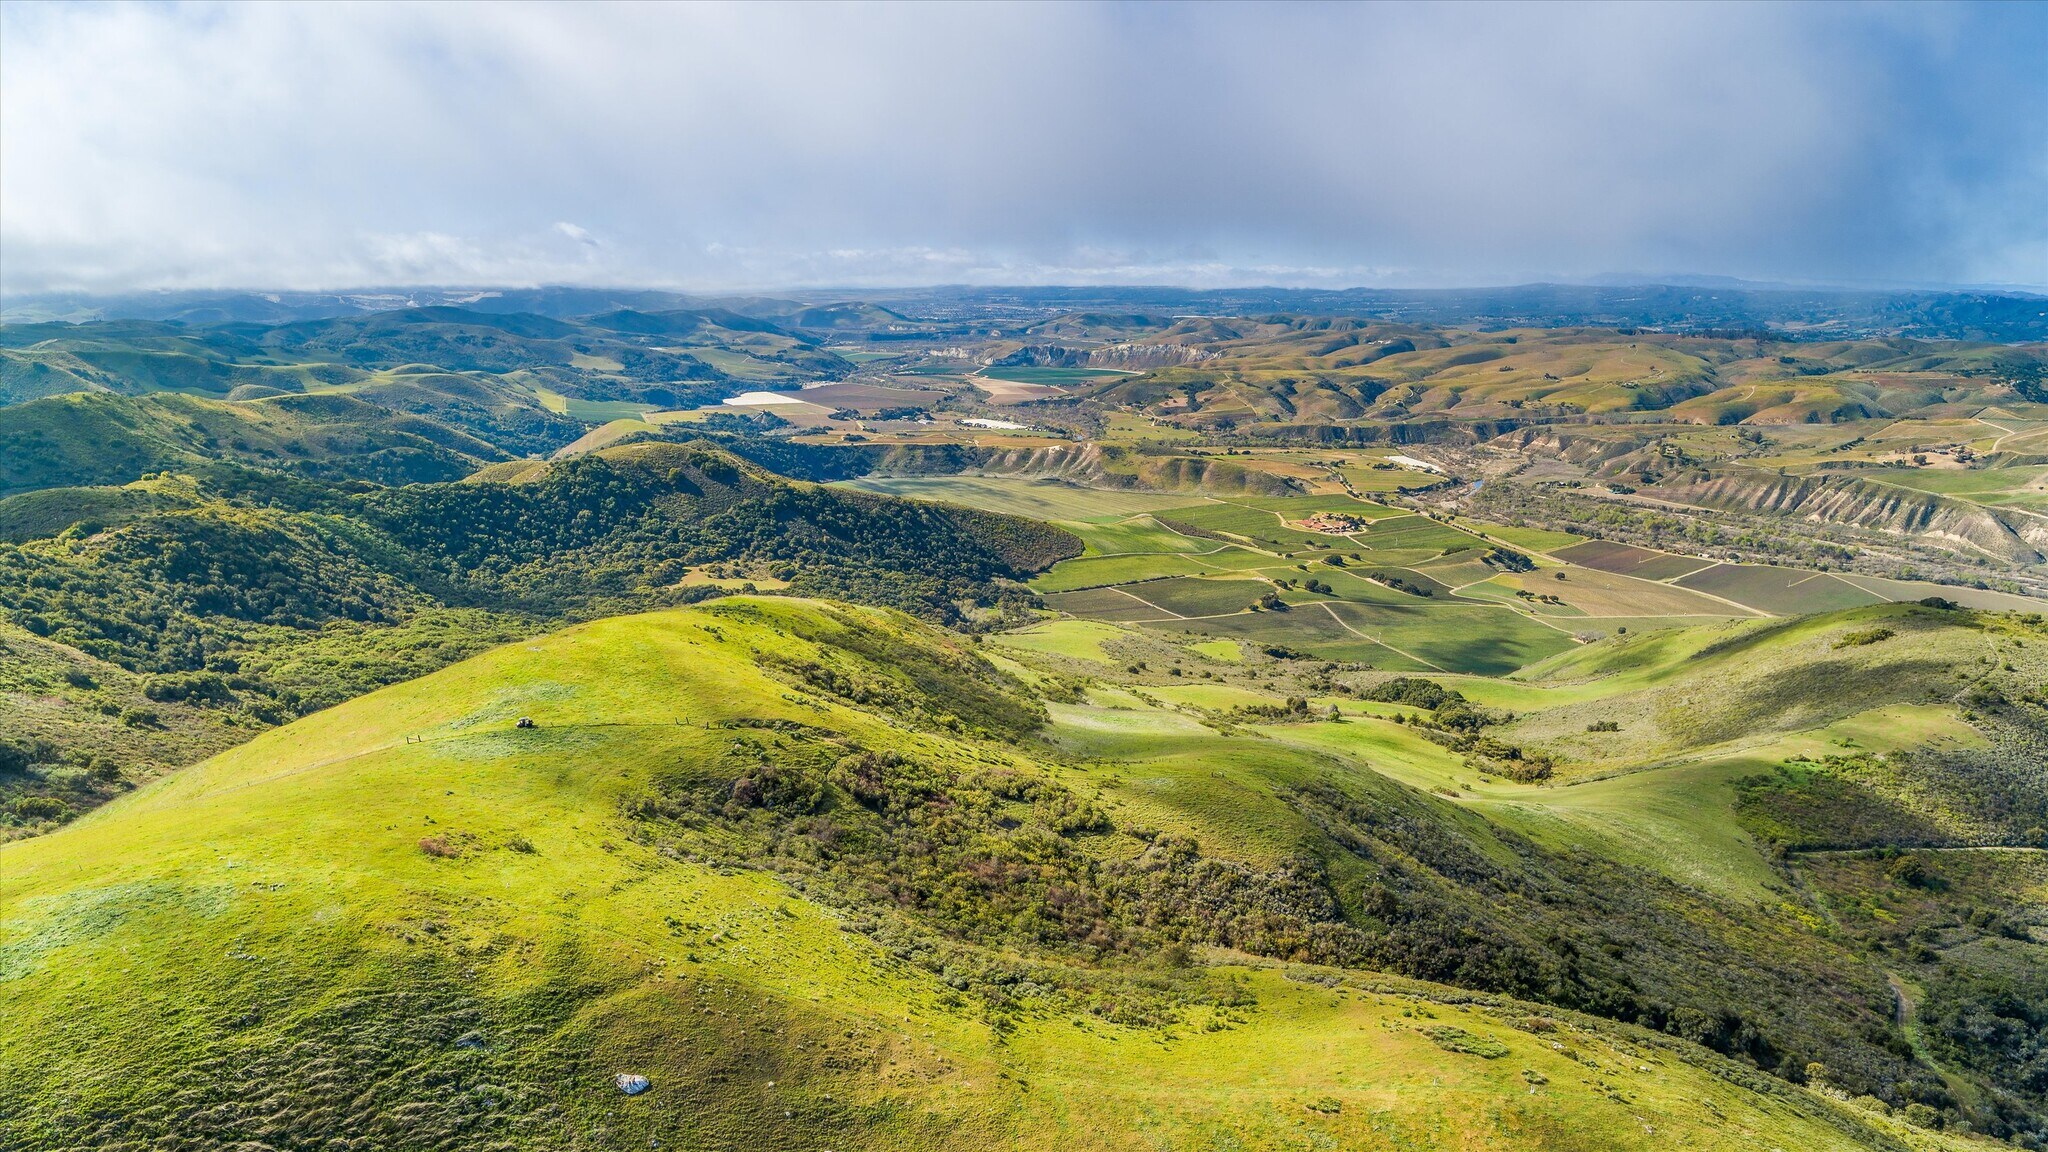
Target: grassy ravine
(404, 922)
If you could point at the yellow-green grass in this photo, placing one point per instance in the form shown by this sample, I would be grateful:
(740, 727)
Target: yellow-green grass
(1369, 479)
(1415, 532)
(741, 366)
(594, 411)
(1677, 820)
(1313, 630)
(275, 904)
(1298, 507)
(1260, 526)
(1528, 539)
(1075, 639)
(1203, 595)
(1136, 534)
(1224, 650)
(701, 578)
(1502, 589)
(1119, 603)
(605, 435)
(2024, 482)
(1903, 590)
(1749, 688)
(1103, 571)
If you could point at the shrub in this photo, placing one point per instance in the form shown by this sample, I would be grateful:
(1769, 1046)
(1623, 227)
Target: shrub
(1453, 1039)
(40, 808)
(440, 848)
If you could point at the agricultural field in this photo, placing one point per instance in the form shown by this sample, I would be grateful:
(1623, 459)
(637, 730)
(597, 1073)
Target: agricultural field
(1786, 591)
(1022, 374)
(1044, 499)
(1625, 560)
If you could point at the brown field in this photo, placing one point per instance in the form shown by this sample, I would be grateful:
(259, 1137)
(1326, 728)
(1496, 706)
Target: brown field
(1012, 392)
(1598, 593)
(870, 397)
(1628, 560)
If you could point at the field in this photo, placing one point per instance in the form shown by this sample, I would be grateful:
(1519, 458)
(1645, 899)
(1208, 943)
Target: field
(1532, 539)
(595, 411)
(1045, 499)
(1780, 590)
(1020, 374)
(1629, 561)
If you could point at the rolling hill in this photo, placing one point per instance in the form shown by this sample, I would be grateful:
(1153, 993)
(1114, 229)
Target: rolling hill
(825, 877)
(259, 597)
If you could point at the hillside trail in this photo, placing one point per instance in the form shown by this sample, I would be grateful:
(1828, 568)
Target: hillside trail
(1905, 994)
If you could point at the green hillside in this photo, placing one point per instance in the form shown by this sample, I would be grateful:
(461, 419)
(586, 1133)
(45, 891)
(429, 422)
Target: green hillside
(258, 597)
(98, 438)
(807, 869)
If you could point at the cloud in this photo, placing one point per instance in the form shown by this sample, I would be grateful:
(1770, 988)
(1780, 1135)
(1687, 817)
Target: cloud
(769, 146)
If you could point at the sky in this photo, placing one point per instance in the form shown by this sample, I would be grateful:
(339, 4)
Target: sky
(713, 147)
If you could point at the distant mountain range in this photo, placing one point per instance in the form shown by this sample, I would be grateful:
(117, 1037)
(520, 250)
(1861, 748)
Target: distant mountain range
(1681, 303)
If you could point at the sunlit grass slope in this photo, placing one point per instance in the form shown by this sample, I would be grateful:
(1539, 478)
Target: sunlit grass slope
(407, 922)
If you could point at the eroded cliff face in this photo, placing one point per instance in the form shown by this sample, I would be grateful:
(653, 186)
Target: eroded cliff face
(1592, 451)
(1129, 357)
(2011, 536)
(1110, 467)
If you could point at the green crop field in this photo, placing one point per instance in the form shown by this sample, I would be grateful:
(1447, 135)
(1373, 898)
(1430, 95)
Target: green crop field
(1486, 641)
(1022, 374)
(1113, 604)
(1097, 572)
(1138, 534)
(1262, 527)
(1416, 532)
(1531, 539)
(1778, 590)
(1202, 596)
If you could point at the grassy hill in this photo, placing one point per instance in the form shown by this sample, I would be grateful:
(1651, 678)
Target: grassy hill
(411, 920)
(98, 438)
(260, 597)
(516, 380)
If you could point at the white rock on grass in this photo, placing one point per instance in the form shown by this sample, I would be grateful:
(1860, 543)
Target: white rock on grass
(631, 1084)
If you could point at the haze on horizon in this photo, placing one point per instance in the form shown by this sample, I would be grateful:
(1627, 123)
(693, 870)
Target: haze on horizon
(735, 147)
